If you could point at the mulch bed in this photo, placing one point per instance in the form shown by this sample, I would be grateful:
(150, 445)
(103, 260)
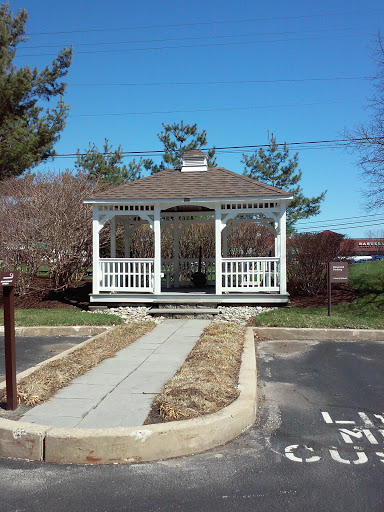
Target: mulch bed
(341, 294)
(76, 296)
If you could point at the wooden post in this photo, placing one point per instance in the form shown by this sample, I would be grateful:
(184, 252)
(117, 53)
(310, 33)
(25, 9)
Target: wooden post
(8, 282)
(329, 288)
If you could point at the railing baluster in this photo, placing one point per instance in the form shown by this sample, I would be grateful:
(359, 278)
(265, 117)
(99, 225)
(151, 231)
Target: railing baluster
(258, 274)
(238, 274)
(126, 274)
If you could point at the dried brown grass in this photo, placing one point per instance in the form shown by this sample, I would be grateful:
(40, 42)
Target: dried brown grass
(44, 382)
(208, 379)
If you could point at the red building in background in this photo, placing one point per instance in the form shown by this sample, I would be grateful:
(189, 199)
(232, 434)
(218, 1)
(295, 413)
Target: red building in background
(363, 246)
(368, 246)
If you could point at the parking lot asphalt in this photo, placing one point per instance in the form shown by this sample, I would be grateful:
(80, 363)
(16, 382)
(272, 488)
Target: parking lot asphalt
(31, 350)
(318, 445)
(322, 420)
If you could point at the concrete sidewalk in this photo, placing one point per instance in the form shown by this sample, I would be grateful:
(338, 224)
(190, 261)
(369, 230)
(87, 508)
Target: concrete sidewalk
(119, 392)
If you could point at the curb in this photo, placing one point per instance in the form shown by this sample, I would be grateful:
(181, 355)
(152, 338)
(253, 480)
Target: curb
(297, 333)
(137, 444)
(66, 330)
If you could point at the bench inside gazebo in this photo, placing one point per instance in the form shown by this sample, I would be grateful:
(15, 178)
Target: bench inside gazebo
(176, 199)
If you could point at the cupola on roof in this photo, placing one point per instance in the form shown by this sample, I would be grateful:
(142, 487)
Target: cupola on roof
(194, 161)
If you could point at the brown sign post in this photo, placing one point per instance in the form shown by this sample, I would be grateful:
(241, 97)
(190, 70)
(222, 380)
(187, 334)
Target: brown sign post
(7, 281)
(337, 273)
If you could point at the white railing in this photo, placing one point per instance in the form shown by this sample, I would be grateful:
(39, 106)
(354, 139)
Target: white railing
(261, 274)
(187, 266)
(126, 274)
(238, 274)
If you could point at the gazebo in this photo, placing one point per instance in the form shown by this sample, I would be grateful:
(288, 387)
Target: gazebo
(177, 198)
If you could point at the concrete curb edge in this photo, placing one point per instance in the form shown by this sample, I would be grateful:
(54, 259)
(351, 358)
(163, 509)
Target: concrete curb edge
(136, 444)
(300, 333)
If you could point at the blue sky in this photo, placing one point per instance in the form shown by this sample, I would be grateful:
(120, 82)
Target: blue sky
(243, 42)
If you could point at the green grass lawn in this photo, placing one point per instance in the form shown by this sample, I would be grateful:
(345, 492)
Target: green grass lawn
(56, 317)
(367, 312)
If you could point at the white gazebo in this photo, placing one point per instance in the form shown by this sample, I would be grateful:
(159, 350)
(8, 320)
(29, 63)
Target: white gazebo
(177, 198)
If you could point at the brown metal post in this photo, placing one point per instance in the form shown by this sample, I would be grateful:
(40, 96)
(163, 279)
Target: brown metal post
(329, 289)
(10, 347)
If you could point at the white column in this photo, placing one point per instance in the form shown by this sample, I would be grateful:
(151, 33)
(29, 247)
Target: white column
(157, 262)
(95, 251)
(218, 258)
(283, 252)
(176, 263)
(112, 223)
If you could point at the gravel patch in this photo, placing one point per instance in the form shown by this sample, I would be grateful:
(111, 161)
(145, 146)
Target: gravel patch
(235, 314)
(131, 314)
(239, 314)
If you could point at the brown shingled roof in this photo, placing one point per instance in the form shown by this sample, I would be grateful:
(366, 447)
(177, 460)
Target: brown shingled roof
(216, 183)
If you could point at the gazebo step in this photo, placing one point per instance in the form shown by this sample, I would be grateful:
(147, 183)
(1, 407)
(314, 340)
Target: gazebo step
(182, 311)
(198, 302)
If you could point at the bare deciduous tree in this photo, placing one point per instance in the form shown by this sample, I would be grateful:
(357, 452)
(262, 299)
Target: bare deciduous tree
(250, 240)
(368, 139)
(375, 233)
(308, 256)
(44, 223)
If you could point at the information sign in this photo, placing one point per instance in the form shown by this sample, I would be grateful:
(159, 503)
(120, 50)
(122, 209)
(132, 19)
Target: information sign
(338, 271)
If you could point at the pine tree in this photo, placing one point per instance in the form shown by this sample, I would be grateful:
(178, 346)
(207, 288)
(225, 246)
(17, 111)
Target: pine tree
(178, 138)
(28, 128)
(107, 165)
(276, 168)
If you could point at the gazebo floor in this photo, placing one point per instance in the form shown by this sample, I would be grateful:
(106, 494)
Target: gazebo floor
(191, 296)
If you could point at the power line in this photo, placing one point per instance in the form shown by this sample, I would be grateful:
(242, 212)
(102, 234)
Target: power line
(222, 109)
(298, 148)
(196, 38)
(216, 22)
(347, 227)
(342, 218)
(184, 46)
(221, 82)
(345, 224)
(224, 148)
